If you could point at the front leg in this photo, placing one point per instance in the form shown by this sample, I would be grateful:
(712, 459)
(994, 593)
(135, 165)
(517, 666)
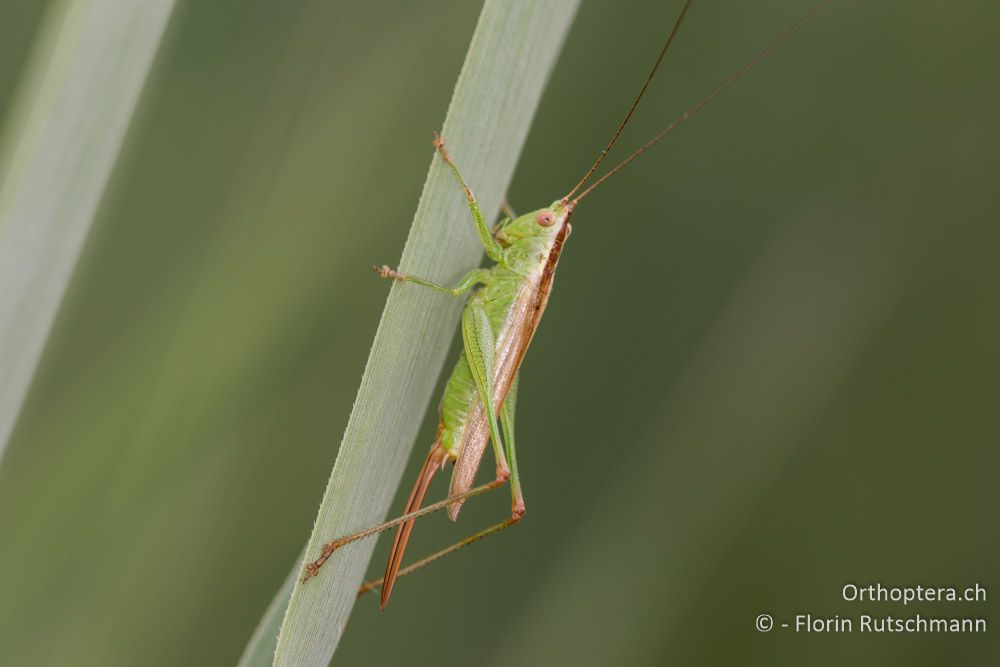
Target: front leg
(490, 244)
(507, 210)
(508, 217)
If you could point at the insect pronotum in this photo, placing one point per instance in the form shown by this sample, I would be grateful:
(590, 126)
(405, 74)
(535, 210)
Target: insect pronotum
(498, 322)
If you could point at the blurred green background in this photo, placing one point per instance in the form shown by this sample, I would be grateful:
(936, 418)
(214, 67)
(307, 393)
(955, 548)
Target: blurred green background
(769, 367)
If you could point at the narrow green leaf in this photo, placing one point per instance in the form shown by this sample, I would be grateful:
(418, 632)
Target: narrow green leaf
(509, 60)
(62, 140)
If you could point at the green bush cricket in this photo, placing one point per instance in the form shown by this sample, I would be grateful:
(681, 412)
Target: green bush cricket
(498, 322)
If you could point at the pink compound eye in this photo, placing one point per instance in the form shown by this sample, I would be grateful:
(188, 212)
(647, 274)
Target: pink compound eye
(545, 218)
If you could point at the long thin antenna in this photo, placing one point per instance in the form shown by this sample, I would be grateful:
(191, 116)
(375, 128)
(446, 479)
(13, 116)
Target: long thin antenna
(705, 100)
(635, 103)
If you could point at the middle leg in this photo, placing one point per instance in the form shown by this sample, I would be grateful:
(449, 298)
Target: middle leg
(471, 279)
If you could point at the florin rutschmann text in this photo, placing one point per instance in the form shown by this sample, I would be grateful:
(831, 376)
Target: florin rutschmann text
(874, 595)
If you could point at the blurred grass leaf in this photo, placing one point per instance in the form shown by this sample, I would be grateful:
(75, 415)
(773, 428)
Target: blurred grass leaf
(60, 145)
(509, 60)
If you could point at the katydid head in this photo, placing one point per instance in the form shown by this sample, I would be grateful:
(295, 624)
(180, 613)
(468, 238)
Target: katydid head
(535, 239)
(542, 225)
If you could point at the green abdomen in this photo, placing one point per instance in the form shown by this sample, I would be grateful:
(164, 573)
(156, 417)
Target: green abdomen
(460, 394)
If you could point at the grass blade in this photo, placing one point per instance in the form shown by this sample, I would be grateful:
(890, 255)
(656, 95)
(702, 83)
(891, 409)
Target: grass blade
(511, 55)
(60, 145)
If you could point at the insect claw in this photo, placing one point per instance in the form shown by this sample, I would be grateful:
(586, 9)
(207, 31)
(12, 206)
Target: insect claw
(439, 145)
(385, 271)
